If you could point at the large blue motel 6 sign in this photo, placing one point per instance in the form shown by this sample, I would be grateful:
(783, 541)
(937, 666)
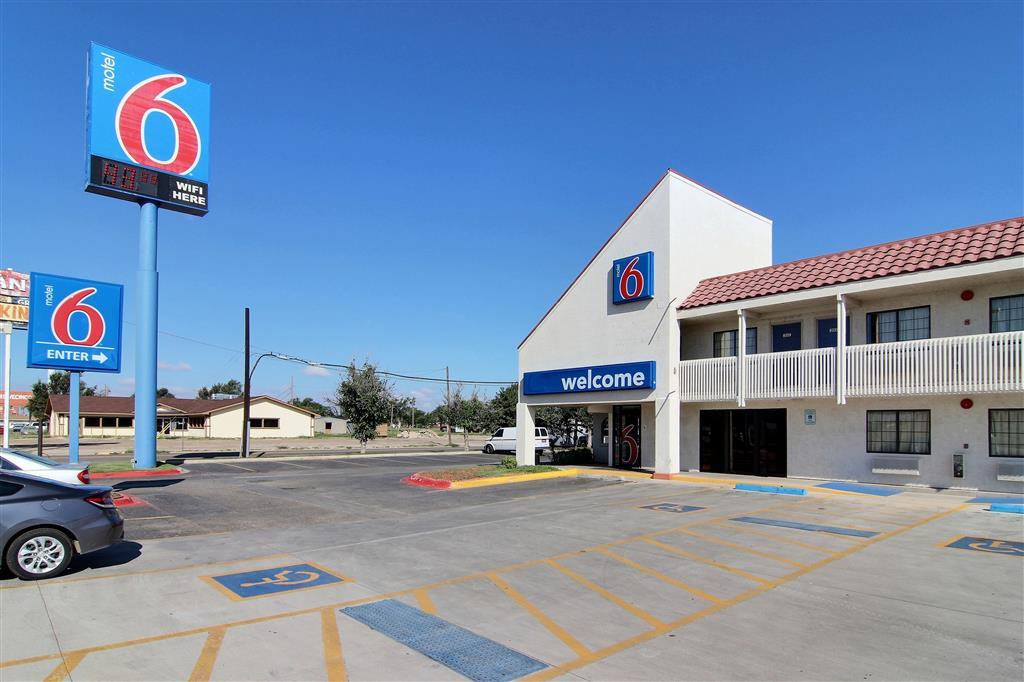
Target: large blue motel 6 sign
(148, 132)
(633, 278)
(74, 324)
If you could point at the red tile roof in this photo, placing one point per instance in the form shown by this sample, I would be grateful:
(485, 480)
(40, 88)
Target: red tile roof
(954, 247)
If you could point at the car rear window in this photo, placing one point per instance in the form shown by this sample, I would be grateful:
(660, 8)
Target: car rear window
(35, 458)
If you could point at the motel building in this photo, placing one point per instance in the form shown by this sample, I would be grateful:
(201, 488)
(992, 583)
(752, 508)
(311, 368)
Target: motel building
(900, 363)
(114, 416)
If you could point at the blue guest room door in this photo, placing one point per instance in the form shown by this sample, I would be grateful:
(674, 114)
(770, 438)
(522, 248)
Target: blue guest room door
(785, 337)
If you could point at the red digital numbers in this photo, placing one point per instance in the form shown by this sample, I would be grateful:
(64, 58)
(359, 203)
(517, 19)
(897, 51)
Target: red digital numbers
(110, 173)
(128, 179)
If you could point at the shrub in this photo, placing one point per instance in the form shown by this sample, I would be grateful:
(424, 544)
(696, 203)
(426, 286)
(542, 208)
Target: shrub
(509, 462)
(571, 457)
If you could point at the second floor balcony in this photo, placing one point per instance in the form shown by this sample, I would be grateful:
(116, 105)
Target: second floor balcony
(978, 363)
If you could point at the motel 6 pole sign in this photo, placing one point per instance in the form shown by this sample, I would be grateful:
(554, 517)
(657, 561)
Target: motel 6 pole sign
(148, 132)
(74, 324)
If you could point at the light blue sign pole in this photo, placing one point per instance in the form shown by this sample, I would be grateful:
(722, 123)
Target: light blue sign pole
(76, 380)
(145, 341)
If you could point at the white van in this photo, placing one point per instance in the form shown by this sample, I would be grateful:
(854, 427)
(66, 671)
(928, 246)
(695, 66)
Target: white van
(504, 440)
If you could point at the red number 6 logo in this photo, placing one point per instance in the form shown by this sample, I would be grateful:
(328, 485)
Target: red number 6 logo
(130, 124)
(630, 274)
(60, 323)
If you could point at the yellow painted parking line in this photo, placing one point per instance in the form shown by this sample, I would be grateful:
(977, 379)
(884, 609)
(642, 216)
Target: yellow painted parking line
(545, 620)
(704, 560)
(610, 596)
(208, 656)
(773, 538)
(660, 576)
(505, 480)
(818, 516)
(425, 601)
(561, 670)
(334, 660)
(749, 550)
(66, 666)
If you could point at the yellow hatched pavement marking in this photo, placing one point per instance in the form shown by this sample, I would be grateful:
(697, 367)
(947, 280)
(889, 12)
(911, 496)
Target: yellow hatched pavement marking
(755, 552)
(545, 620)
(774, 538)
(66, 666)
(208, 656)
(710, 562)
(334, 660)
(561, 670)
(660, 576)
(425, 601)
(610, 596)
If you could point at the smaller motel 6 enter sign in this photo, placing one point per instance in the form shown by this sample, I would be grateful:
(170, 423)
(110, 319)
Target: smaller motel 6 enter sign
(74, 324)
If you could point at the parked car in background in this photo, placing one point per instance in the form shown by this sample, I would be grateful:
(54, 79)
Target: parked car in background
(26, 462)
(504, 440)
(44, 524)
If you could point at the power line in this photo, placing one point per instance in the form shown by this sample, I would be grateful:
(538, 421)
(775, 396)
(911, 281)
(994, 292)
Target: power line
(396, 375)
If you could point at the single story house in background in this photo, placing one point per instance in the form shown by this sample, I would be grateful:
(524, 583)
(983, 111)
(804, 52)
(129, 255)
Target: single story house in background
(330, 425)
(106, 416)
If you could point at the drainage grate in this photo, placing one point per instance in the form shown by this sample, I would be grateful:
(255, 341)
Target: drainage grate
(465, 652)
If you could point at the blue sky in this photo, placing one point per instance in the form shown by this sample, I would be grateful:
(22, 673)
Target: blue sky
(416, 183)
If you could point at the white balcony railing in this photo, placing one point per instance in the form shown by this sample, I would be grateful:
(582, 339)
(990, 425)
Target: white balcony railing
(793, 374)
(980, 363)
(707, 380)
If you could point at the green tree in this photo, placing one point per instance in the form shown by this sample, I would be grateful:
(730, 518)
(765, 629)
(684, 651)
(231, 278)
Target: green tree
(501, 410)
(312, 406)
(364, 399)
(60, 384)
(39, 400)
(469, 414)
(565, 424)
(163, 393)
(232, 387)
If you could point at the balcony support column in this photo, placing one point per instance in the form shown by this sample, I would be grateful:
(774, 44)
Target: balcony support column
(741, 358)
(840, 349)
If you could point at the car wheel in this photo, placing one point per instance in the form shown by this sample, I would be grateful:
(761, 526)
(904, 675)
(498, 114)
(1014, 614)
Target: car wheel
(39, 553)
(488, 449)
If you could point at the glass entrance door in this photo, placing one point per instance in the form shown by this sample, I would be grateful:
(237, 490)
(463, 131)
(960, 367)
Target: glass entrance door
(626, 452)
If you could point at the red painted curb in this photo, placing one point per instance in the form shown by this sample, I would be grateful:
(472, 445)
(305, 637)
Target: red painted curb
(424, 482)
(663, 477)
(138, 474)
(122, 500)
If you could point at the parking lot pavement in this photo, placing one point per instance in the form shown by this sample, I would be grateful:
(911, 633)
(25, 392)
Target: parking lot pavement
(363, 578)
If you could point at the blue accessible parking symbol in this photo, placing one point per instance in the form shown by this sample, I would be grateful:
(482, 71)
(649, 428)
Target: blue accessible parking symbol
(1007, 547)
(672, 507)
(275, 580)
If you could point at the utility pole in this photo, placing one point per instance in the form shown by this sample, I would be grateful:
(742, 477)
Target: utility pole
(448, 401)
(245, 393)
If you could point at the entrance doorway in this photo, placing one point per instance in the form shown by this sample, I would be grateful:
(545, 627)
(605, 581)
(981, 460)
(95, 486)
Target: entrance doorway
(750, 442)
(626, 438)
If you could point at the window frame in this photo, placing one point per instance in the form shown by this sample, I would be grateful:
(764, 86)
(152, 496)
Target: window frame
(991, 320)
(872, 317)
(751, 334)
(263, 422)
(1003, 409)
(867, 433)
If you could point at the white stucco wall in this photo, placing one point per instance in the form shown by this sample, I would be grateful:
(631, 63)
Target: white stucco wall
(836, 446)
(227, 423)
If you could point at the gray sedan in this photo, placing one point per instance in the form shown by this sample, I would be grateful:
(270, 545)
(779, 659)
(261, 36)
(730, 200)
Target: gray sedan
(44, 524)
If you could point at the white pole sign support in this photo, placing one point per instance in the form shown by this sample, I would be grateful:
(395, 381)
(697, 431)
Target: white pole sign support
(5, 329)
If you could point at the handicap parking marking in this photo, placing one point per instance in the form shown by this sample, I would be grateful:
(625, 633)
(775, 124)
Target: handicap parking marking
(987, 545)
(672, 507)
(270, 581)
(860, 488)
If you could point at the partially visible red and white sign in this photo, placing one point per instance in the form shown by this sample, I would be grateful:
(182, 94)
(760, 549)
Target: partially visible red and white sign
(14, 297)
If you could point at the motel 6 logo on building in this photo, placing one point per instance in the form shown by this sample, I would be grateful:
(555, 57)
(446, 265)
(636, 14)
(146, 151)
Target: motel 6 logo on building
(633, 278)
(147, 115)
(74, 324)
